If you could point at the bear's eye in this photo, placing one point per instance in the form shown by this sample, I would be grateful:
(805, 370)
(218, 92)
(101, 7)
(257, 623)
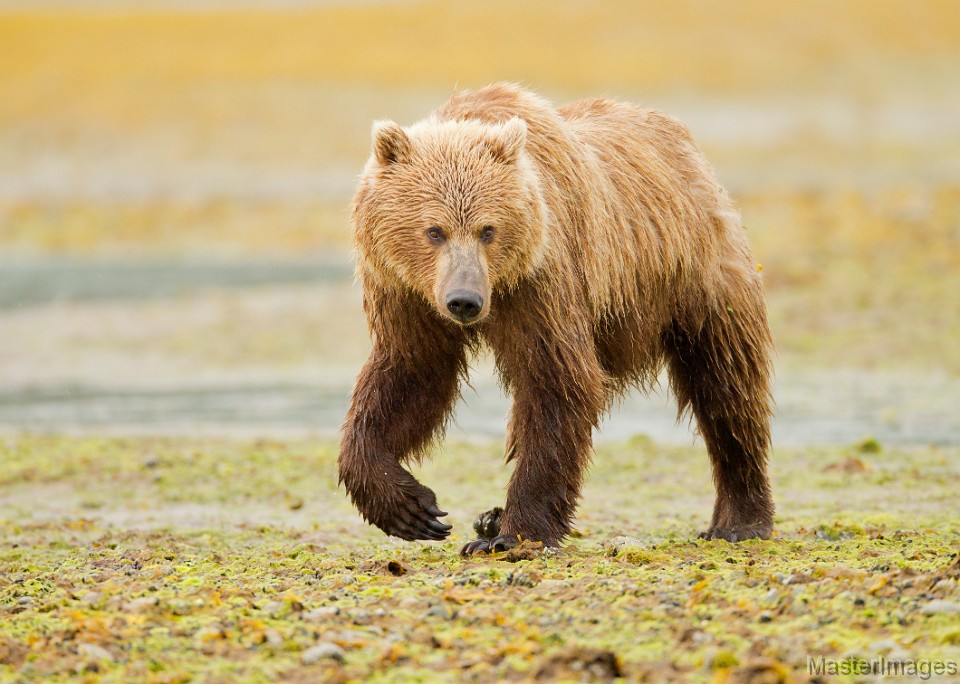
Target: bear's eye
(486, 235)
(436, 235)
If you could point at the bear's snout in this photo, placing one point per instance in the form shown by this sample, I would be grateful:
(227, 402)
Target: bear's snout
(465, 305)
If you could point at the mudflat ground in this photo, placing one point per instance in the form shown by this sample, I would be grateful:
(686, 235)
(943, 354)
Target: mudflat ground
(174, 560)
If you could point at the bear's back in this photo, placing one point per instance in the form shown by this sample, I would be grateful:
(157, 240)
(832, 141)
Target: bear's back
(630, 193)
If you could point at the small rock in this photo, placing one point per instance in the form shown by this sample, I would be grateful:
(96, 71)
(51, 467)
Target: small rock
(695, 636)
(151, 461)
(92, 597)
(321, 614)
(212, 632)
(141, 605)
(890, 648)
(392, 567)
(580, 664)
(180, 607)
(554, 584)
(617, 543)
(440, 610)
(940, 607)
(765, 616)
(522, 578)
(95, 652)
(322, 651)
(275, 608)
(272, 637)
(25, 600)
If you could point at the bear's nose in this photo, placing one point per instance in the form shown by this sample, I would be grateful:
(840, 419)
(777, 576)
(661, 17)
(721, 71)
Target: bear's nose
(464, 305)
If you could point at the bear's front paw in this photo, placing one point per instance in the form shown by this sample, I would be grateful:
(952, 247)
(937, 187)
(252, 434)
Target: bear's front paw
(398, 504)
(737, 534)
(414, 515)
(497, 544)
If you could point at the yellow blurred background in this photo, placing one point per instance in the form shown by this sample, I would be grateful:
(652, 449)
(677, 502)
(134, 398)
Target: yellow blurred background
(210, 133)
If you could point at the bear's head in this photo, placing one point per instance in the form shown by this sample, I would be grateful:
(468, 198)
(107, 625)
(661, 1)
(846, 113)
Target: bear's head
(452, 210)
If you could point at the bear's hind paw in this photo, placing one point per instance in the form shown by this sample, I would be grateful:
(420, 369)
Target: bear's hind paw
(737, 534)
(503, 542)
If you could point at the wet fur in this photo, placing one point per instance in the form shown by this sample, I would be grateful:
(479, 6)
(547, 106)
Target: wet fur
(618, 253)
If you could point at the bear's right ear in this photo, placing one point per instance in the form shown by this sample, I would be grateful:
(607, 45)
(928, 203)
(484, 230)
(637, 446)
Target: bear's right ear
(391, 145)
(508, 139)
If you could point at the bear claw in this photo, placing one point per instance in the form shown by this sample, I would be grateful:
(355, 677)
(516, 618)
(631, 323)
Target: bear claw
(502, 542)
(414, 516)
(736, 534)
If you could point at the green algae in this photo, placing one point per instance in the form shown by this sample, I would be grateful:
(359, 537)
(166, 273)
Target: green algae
(196, 568)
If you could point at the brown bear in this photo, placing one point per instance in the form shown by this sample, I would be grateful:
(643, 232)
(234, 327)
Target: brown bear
(587, 246)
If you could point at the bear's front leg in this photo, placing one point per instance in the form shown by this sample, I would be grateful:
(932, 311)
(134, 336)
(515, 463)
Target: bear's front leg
(400, 403)
(550, 440)
(559, 392)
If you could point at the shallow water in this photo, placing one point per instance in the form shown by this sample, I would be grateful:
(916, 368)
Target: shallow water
(813, 406)
(32, 282)
(818, 409)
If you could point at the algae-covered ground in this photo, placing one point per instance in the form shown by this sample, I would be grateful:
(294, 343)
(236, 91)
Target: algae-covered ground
(174, 560)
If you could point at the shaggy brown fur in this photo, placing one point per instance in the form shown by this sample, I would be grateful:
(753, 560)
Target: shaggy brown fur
(587, 246)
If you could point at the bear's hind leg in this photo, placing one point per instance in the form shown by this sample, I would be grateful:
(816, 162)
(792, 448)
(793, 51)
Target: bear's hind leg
(721, 371)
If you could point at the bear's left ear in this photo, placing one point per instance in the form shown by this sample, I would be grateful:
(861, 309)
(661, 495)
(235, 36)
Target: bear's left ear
(507, 139)
(391, 144)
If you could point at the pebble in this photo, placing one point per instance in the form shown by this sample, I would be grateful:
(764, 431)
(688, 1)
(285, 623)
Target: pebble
(141, 605)
(940, 607)
(891, 649)
(210, 633)
(95, 652)
(521, 578)
(772, 597)
(617, 543)
(275, 608)
(554, 584)
(439, 610)
(322, 651)
(321, 614)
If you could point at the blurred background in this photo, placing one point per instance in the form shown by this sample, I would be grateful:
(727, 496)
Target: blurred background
(175, 180)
